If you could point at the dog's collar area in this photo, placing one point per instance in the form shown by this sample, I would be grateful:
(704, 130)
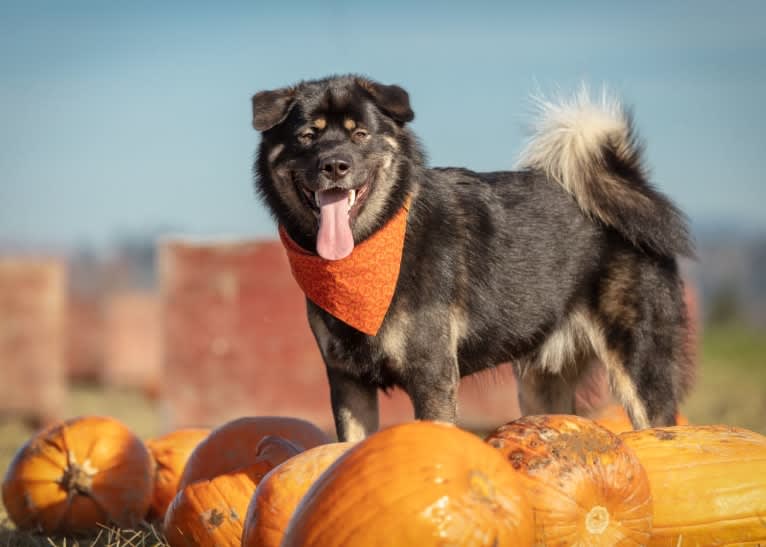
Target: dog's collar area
(357, 289)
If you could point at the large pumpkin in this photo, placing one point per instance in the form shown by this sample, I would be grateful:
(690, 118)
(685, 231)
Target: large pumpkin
(585, 486)
(421, 483)
(709, 483)
(279, 492)
(211, 513)
(79, 474)
(170, 453)
(232, 446)
(616, 420)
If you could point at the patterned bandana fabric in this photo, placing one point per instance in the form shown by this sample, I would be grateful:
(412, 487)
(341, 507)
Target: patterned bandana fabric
(357, 289)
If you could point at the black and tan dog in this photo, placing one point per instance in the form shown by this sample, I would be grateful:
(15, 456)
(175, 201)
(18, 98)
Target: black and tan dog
(573, 256)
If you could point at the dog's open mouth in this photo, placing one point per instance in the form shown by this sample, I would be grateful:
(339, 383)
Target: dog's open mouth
(336, 208)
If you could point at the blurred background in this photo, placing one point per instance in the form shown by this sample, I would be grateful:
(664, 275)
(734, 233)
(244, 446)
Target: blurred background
(139, 275)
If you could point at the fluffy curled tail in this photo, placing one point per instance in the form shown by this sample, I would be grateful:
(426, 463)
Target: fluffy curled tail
(592, 150)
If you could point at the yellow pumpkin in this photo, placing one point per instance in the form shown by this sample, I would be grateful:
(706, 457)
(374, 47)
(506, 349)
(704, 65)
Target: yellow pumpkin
(421, 483)
(585, 486)
(616, 420)
(709, 483)
(74, 476)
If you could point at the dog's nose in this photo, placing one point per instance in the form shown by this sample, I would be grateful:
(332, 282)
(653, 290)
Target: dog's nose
(335, 167)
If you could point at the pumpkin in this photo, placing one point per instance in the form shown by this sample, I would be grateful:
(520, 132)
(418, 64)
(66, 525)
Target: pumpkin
(211, 512)
(420, 483)
(585, 486)
(232, 445)
(709, 483)
(279, 492)
(74, 476)
(170, 453)
(616, 420)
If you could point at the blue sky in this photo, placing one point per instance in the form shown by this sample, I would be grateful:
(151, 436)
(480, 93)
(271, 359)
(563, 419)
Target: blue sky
(120, 117)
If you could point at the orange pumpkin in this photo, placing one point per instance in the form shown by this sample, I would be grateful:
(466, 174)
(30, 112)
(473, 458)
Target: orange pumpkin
(211, 512)
(232, 446)
(585, 486)
(709, 483)
(279, 492)
(616, 420)
(73, 476)
(421, 483)
(170, 453)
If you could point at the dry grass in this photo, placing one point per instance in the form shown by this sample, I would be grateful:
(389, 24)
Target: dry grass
(147, 536)
(731, 389)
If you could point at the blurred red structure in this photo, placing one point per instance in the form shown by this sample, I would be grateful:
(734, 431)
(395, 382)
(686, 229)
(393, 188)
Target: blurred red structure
(32, 335)
(236, 342)
(132, 342)
(85, 337)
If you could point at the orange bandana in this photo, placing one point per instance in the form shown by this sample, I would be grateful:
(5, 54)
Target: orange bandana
(357, 289)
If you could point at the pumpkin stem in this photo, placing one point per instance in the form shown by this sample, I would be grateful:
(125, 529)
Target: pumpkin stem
(76, 478)
(597, 520)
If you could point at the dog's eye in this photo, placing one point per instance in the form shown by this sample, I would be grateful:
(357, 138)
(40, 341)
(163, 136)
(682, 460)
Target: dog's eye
(360, 134)
(308, 136)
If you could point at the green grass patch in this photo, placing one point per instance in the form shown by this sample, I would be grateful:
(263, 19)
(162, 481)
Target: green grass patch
(731, 383)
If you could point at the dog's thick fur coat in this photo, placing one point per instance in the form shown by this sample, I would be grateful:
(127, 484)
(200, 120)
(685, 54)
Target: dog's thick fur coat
(570, 258)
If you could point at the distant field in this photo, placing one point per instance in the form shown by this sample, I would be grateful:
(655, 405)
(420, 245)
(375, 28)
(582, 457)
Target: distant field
(731, 389)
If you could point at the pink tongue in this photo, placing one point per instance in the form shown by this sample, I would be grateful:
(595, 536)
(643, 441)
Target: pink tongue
(334, 240)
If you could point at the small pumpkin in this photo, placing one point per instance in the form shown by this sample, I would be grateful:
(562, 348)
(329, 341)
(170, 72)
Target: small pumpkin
(420, 483)
(170, 453)
(74, 476)
(585, 486)
(278, 494)
(615, 419)
(211, 513)
(232, 445)
(709, 483)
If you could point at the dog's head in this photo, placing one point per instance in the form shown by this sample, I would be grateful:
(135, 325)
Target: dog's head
(335, 158)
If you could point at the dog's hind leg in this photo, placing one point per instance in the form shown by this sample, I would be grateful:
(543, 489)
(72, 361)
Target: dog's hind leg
(545, 393)
(643, 341)
(643, 383)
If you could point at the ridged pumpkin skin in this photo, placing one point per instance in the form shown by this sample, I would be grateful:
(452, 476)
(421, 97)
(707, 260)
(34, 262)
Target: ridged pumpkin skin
(74, 476)
(616, 420)
(709, 483)
(232, 445)
(585, 486)
(279, 493)
(170, 453)
(421, 483)
(212, 512)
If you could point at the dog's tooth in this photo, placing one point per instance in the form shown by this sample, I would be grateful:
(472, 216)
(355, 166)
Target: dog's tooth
(351, 198)
(316, 199)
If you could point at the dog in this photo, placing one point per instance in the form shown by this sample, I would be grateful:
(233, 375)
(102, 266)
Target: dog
(570, 257)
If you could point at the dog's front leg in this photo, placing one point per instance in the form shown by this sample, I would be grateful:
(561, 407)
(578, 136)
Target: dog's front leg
(432, 386)
(354, 406)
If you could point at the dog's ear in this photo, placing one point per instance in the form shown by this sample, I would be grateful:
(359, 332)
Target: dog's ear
(272, 107)
(391, 99)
